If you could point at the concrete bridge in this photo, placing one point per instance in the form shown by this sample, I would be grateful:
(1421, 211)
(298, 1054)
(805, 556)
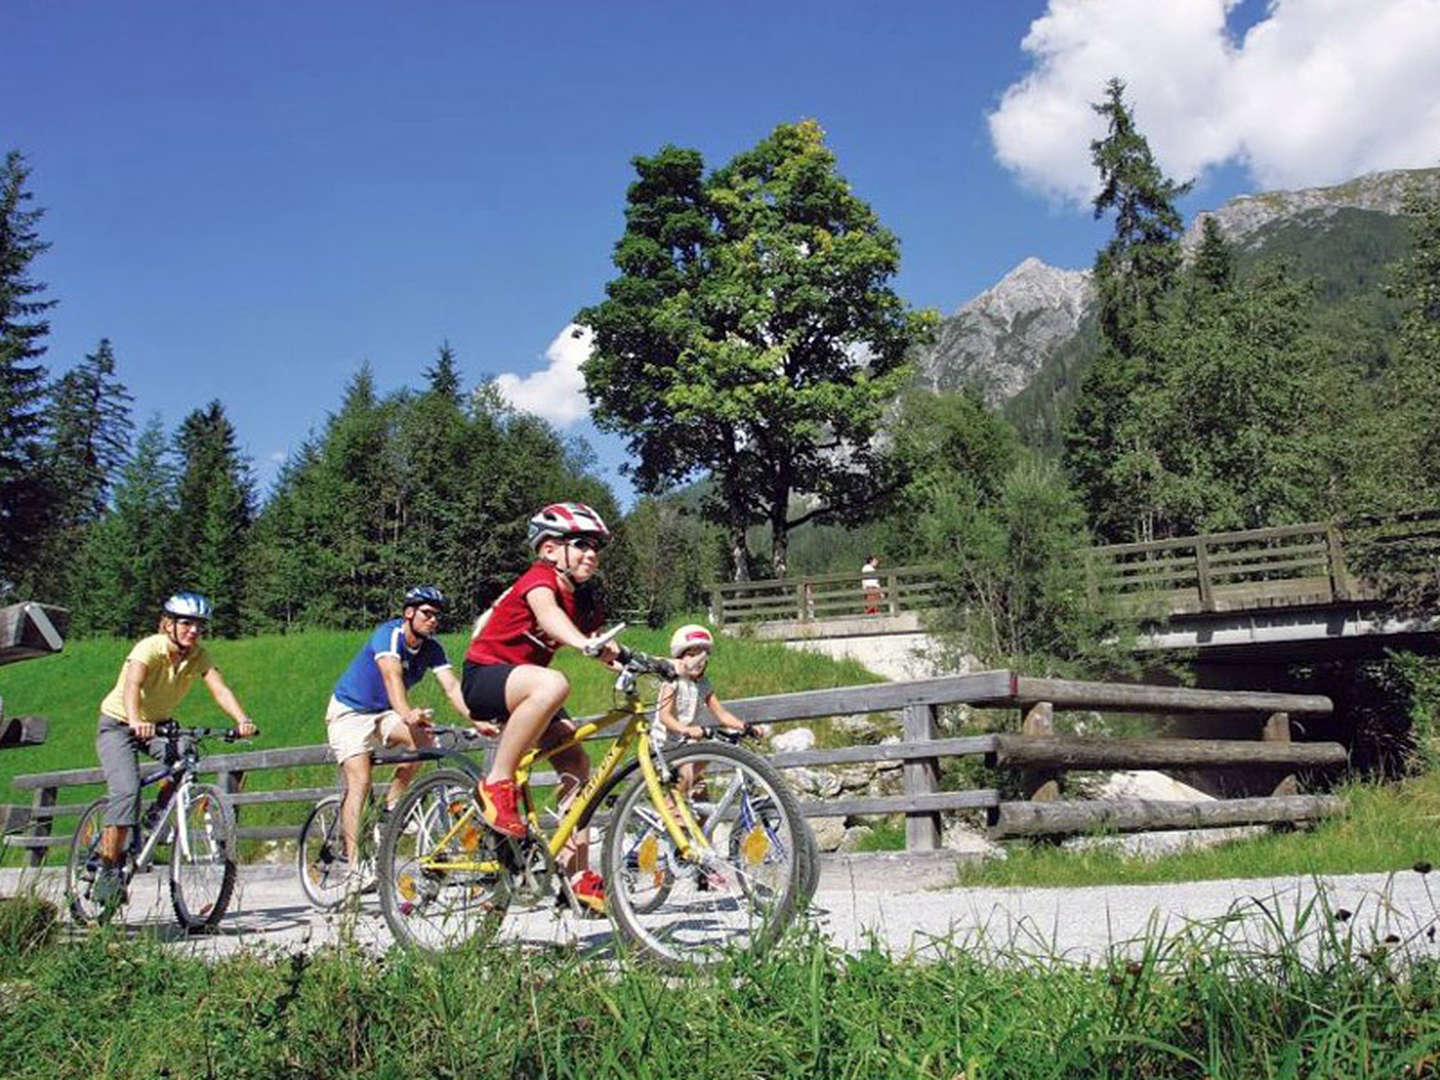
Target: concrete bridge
(1263, 596)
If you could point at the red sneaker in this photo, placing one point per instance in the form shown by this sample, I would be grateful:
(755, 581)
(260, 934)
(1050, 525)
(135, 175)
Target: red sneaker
(498, 802)
(589, 889)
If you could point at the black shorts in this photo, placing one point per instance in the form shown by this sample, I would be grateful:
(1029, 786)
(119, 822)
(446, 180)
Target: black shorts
(484, 688)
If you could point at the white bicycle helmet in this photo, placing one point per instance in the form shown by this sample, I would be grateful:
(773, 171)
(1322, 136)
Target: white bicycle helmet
(690, 636)
(189, 605)
(563, 520)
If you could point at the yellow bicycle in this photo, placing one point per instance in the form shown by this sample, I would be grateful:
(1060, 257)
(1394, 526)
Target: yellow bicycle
(696, 862)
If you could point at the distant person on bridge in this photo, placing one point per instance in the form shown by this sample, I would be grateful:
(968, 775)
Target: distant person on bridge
(871, 584)
(370, 707)
(508, 677)
(154, 679)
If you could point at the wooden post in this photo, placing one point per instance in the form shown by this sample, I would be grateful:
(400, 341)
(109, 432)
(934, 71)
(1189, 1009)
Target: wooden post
(892, 584)
(1341, 587)
(922, 777)
(44, 823)
(1202, 571)
(1277, 730)
(1041, 785)
(717, 607)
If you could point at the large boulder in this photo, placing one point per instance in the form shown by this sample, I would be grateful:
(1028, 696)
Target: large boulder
(792, 741)
(829, 832)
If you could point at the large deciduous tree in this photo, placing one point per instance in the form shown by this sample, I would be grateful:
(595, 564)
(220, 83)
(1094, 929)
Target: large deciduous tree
(23, 326)
(752, 333)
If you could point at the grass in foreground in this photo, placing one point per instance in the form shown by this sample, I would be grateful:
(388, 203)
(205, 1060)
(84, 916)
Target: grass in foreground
(1310, 995)
(1387, 827)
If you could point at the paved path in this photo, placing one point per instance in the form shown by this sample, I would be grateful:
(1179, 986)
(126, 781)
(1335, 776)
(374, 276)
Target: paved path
(903, 901)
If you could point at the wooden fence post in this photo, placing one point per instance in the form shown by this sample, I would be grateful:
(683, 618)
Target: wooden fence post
(1041, 785)
(717, 607)
(892, 583)
(1277, 730)
(1202, 572)
(1340, 584)
(922, 777)
(44, 823)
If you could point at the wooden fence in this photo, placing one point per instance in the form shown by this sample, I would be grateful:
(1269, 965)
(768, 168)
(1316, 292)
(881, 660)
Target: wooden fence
(1263, 721)
(825, 596)
(1292, 565)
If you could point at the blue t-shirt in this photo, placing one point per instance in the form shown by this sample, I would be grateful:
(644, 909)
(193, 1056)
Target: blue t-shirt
(363, 688)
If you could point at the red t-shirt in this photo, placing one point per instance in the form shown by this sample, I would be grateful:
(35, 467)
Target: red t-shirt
(512, 636)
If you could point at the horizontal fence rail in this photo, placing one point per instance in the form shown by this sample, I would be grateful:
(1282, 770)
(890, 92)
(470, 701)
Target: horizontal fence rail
(1314, 563)
(1035, 751)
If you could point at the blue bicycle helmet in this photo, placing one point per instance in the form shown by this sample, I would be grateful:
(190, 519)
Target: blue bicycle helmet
(425, 594)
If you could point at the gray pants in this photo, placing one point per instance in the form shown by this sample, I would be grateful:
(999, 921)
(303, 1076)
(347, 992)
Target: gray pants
(117, 746)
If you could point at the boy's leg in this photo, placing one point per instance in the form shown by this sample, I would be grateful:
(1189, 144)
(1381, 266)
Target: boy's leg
(532, 695)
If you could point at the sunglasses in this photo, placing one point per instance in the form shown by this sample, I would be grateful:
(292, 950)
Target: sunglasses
(428, 612)
(198, 625)
(584, 543)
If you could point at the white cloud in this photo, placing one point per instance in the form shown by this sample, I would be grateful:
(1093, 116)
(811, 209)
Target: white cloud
(556, 393)
(1317, 92)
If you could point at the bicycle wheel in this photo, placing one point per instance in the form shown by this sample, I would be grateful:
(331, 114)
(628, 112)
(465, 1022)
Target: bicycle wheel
(741, 891)
(203, 852)
(426, 905)
(321, 861)
(80, 867)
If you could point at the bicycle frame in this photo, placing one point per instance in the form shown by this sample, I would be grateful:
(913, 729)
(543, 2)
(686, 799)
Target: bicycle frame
(144, 853)
(682, 827)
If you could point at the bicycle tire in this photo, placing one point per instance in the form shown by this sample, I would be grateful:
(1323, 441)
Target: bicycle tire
(432, 909)
(707, 912)
(203, 857)
(84, 840)
(320, 861)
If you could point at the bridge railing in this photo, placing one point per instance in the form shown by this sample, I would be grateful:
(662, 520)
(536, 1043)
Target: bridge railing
(826, 596)
(1262, 721)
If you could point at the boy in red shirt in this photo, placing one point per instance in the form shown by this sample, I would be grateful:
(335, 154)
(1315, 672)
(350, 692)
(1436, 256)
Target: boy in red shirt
(508, 679)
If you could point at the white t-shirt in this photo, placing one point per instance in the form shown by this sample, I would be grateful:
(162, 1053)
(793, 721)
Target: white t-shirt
(869, 582)
(689, 695)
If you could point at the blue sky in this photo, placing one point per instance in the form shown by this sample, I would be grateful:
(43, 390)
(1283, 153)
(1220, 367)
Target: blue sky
(251, 199)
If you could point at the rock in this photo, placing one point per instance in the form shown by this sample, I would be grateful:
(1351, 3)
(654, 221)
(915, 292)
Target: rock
(1149, 784)
(829, 832)
(854, 777)
(887, 782)
(854, 836)
(794, 740)
(965, 841)
(823, 785)
(859, 728)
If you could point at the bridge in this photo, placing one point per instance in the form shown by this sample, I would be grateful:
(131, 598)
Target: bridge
(1266, 595)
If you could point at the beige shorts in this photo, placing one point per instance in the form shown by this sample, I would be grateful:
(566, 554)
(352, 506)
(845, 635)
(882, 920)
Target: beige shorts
(350, 732)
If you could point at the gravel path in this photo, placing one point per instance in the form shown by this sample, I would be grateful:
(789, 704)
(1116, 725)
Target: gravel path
(904, 902)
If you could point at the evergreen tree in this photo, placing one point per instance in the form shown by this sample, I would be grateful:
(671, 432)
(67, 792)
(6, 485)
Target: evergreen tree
(1110, 451)
(23, 326)
(88, 443)
(126, 564)
(443, 377)
(1214, 266)
(215, 508)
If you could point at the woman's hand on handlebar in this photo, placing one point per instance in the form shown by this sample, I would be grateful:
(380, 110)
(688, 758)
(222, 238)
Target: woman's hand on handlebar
(246, 729)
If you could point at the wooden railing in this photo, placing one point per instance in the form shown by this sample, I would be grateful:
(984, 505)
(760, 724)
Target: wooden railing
(1313, 563)
(1262, 721)
(826, 596)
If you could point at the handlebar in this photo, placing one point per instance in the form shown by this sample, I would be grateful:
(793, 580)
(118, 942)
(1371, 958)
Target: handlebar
(169, 729)
(732, 736)
(596, 645)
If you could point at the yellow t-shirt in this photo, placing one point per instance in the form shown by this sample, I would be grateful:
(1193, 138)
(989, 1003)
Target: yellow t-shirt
(164, 686)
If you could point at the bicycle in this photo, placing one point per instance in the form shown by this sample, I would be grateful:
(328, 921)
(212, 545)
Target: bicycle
(194, 819)
(737, 865)
(321, 862)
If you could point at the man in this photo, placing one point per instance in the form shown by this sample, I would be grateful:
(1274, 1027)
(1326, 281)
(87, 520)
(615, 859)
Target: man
(370, 707)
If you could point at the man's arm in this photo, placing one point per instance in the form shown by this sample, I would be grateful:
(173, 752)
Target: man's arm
(456, 695)
(393, 675)
(229, 704)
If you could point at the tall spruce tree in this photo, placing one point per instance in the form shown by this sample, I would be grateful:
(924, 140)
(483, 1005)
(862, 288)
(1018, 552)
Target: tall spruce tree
(215, 506)
(87, 443)
(126, 569)
(1110, 446)
(24, 494)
